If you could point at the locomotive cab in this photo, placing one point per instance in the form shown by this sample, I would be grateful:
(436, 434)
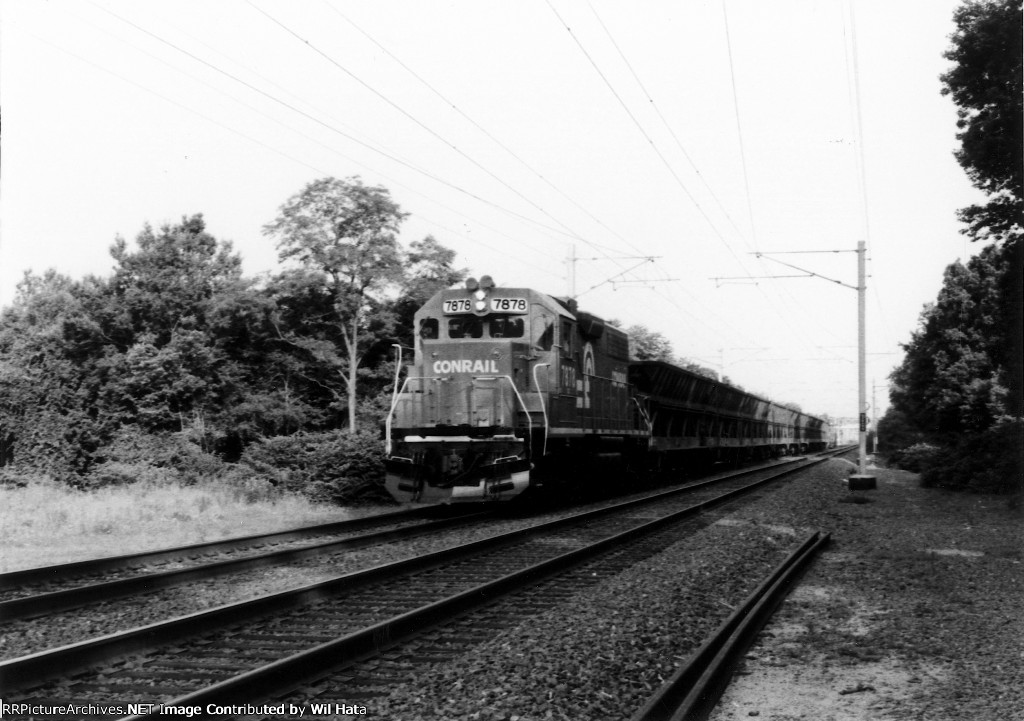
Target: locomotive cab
(469, 416)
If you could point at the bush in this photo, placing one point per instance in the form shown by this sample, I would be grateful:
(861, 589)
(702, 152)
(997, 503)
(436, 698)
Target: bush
(916, 458)
(135, 455)
(333, 466)
(986, 462)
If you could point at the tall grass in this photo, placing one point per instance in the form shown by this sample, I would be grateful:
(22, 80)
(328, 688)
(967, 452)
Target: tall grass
(43, 522)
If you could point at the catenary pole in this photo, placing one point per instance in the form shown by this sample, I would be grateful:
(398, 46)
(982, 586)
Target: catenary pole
(862, 383)
(860, 480)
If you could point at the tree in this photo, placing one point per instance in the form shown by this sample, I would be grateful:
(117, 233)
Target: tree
(646, 344)
(49, 416)
(168, 281)
(961, 383)
(985, 84)
(951, 379)
(343, 235)
(429, 267)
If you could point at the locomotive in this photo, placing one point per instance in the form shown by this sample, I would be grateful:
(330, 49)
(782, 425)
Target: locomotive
(511, 388)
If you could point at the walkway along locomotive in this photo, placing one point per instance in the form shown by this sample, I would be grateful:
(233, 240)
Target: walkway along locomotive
(510, 388)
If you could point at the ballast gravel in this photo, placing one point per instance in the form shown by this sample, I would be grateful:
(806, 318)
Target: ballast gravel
(28, 636)
(913, 612)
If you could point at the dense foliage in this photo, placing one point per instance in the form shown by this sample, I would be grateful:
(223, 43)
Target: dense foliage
(177, 366)
(958, 396)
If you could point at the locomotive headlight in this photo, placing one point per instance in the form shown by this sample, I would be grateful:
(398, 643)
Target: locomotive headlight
(480, 294)
(481, 305)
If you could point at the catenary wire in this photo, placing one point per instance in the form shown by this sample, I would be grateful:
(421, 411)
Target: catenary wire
(479, 127)
(328, 126)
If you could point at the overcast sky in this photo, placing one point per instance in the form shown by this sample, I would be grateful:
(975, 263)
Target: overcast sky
(691, 133)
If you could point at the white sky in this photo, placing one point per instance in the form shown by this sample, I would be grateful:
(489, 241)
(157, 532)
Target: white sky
(116, 113)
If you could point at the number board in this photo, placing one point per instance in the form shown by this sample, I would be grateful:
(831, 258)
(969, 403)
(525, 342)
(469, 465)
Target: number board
(458, 305)
(509, 305)
(494, 305)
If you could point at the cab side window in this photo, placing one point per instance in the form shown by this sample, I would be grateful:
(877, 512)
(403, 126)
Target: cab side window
(428, 328)
(547, 337)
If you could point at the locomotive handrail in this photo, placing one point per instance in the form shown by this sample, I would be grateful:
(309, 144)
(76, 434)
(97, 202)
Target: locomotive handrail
(644, 415)
(543, 408)
(391, 412)
(394, 400)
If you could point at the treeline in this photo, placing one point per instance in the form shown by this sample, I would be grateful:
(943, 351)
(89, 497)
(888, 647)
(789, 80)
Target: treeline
(958, 397)
(178, 366)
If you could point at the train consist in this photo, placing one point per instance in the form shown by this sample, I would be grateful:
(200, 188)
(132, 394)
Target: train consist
(511, 388)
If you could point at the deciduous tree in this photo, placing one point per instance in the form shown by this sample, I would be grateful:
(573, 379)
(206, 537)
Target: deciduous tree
(985, 83)
(343, 236)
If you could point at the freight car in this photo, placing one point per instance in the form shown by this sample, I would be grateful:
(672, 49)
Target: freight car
(511, 388)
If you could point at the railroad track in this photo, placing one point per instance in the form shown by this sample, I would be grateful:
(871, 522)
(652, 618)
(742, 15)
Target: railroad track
(40, 591)
(36, 592)
(694, 689)
(264, 646)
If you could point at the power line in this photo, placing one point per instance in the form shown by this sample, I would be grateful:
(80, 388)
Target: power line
(664, 121)
(739, 126)
(260, 143)
(477, 125)
(683, 149)
(328, 126)
(414, 119)
(643, 132)
(664, 160)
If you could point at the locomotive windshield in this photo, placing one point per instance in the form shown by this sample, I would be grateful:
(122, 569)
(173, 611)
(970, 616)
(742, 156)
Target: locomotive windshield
(490, 326)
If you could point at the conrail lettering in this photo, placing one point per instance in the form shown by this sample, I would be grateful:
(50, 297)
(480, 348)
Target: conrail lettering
(466, 366)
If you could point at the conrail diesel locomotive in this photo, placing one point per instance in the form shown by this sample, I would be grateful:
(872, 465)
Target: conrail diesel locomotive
(511, 388)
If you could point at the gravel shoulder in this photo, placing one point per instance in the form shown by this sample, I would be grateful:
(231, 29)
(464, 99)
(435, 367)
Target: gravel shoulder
(913, 612)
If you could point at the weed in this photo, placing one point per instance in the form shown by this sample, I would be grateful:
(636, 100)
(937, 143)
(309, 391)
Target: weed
(43, 522)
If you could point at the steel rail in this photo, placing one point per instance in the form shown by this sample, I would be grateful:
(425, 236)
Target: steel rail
(13, 579)
(63, 661)
(63, 600)
(694, 689)
(283, 674)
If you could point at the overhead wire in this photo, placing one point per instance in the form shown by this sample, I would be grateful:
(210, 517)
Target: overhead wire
(785, 293)
(256, 141)
(412, 117)
(497, 141)
(664, 121)
(857, 120)
(739, 128)
(328, 126)
(645, 134)
(205, 117)
(665, 161)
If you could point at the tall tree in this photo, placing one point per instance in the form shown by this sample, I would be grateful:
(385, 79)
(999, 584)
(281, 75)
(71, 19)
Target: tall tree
(950, 381)
(343, 235)
(985, 84)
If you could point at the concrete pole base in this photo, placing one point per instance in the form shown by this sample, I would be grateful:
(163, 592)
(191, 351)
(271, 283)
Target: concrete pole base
(862, 482)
